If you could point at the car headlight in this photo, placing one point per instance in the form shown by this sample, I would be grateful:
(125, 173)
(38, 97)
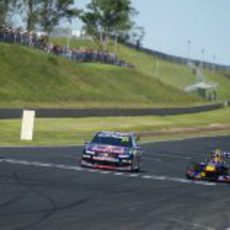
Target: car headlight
(89, 152)
(124, 156)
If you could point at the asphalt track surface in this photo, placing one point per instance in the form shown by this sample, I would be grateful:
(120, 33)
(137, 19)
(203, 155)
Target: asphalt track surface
(44, 188)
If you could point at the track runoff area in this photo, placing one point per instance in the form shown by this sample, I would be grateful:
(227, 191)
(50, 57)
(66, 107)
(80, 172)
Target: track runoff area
(45, 188)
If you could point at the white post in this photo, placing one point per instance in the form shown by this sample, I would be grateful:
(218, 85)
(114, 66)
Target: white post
(27, 125)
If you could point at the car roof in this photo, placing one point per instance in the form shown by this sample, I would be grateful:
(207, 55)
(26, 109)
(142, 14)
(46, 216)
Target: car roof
(115, 134)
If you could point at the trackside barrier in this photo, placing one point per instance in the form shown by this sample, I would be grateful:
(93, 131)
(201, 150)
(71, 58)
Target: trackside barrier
(61, 113)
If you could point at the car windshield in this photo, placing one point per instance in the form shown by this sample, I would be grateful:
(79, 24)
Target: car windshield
(117, 141)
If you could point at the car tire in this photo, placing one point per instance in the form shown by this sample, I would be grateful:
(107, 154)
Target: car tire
(135, 167)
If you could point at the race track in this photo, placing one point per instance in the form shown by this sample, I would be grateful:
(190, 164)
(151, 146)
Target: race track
(45, 189)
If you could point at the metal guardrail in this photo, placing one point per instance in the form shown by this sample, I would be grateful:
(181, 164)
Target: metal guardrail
(66, 113)
(177, 59)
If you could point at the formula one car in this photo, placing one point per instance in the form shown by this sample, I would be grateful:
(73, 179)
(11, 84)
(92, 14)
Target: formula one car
(214, 169)
(112, 150)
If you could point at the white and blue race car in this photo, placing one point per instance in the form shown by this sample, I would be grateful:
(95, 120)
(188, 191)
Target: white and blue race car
(112, 150)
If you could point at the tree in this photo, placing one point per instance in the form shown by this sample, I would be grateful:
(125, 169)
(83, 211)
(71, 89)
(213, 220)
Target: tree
(53, 11)
(5, 7)
(32, 13)
(106, 17)
(30, 9)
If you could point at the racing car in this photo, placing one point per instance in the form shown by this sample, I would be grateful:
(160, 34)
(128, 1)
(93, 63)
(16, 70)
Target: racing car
(214, 169)
(112, 150)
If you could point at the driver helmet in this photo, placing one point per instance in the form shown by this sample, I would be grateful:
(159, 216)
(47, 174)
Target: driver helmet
(217, 153)
(217, 156)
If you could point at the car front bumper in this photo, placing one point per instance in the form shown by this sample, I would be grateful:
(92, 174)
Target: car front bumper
(112, 164)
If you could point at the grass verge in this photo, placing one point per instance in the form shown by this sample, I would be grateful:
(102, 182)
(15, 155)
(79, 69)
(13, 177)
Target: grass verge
(152, 128)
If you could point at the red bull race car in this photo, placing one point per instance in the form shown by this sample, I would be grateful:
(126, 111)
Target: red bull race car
(112, 150)
(214, 169)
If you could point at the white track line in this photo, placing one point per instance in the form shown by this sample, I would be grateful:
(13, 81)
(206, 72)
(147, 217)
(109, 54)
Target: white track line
(119, 174)
(134, 175)
(80, 169)
(103, 172)
(193, 225)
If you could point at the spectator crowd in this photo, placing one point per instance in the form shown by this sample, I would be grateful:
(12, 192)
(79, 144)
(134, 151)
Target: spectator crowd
(31, 39)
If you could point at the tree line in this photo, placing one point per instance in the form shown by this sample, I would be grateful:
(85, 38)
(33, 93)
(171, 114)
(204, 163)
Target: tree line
(102, 19)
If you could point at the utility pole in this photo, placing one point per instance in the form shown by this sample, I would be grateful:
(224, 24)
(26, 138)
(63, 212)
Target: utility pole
(202, 59)
(214, 62)
(189, 42)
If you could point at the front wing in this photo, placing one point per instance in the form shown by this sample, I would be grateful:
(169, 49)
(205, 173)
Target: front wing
(200, 176)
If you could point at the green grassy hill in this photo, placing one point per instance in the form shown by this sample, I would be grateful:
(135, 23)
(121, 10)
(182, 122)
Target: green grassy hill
(32, 78)
(178, 76)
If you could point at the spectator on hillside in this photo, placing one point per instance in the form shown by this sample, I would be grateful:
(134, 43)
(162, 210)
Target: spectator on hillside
(11, 35)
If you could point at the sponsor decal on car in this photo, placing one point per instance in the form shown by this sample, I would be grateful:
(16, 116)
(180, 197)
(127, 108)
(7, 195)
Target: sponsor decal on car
(107, 149)
(98, 158)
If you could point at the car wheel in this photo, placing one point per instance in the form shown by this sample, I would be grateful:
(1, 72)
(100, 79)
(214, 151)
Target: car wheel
(135, 167)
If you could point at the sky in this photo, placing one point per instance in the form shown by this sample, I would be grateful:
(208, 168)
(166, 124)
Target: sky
(197, 29)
